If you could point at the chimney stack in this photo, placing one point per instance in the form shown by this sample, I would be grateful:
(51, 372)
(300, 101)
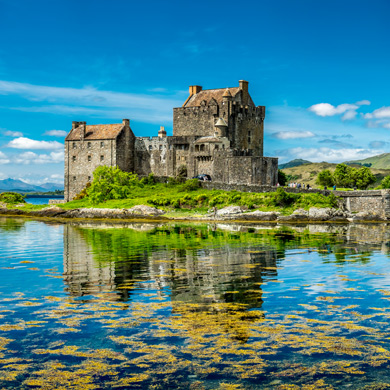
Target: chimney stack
(83, 131)
(194, 89)
(162, 133)
(75, 124)
(126, 122)
(243, 85)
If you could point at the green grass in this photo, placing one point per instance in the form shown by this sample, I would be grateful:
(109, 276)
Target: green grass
(178, 202)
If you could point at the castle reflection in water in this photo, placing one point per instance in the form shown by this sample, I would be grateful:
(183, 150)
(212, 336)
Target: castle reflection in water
(217, 263)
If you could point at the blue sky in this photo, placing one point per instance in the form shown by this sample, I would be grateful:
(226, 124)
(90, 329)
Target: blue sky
(320, 68)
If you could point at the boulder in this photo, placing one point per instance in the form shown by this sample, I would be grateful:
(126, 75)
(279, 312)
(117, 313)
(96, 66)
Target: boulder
(258, 215)
(366, 216)
(228, 211)
(145, 211)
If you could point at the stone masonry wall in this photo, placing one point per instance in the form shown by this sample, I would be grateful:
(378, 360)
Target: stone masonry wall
(82, 158)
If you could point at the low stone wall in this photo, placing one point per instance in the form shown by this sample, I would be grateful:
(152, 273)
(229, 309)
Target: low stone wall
(376, 202)
(56, 201)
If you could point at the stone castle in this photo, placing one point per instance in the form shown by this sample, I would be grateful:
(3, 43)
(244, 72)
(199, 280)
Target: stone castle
(218, 132)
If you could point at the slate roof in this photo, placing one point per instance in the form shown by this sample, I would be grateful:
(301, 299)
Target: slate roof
(208, 94)
(94, 132)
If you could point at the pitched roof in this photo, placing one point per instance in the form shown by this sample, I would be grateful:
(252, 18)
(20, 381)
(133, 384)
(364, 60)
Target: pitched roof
(93, 132)
(208, 94)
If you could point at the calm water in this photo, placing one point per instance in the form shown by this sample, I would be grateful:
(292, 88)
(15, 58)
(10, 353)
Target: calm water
(42, 200)
(180, 306)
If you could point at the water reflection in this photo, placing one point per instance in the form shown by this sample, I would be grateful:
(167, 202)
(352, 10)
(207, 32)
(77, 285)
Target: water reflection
(193, 306)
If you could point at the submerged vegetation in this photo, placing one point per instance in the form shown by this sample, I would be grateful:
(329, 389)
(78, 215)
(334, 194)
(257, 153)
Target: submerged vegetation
(195, 307)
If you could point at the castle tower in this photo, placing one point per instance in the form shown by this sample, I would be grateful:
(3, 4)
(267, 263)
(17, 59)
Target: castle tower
(221, 128)
(162, 133)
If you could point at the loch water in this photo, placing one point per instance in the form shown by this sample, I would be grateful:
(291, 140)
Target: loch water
(88, 305)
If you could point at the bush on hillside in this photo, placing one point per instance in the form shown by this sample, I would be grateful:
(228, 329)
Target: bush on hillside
(385, 182)
(11, 198)
(111, 183)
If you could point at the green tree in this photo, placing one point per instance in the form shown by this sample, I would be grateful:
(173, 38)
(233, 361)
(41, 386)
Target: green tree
(111, 183)
(362, 177)
(343, 176)
(282, 178)
(385, 182)
(325, 178)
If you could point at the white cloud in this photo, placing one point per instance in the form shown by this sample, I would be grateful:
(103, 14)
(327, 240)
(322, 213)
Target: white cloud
(27, 143)
(328, 154)
(56, 133)
(349, 110)
(380, 113)
(34, 158)
(4, 159)
(292, 134)
(384, 123)
(326, 109)
(88, 100)
(10, 133)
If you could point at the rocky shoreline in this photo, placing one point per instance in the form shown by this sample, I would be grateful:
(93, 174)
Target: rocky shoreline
(230, 213)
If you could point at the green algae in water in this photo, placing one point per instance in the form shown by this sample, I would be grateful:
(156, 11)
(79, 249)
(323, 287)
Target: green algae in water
(193, 306)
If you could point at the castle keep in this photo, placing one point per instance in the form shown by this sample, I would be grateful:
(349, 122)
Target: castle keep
(218, 132)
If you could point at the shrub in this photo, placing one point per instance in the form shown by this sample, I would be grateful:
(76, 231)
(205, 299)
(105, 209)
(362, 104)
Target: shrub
(191, 185)
(385, 182)
(282, 178)
(111, 183)
(11, 198)
(84, 192)
(325, 178)
(282, 198)
(148, 180)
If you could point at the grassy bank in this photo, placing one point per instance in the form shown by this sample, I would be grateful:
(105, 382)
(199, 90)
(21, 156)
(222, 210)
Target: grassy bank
(189, 199)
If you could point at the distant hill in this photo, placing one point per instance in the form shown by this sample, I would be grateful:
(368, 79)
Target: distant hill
(21, 186)
(307, 173)
(381, 161)
(294, 163)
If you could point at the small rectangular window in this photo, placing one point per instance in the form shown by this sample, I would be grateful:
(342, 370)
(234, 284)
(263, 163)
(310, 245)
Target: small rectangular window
(89, 178)
(89, 145)
(74, 158)
(74, 145)
(101, 158)
(74, 178)
(102, 144)
(89, 158)
(150, 147)
(160, 147)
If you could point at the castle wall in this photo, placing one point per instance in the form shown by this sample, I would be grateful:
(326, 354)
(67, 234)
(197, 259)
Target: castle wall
(125, 150)
(81, 159)
(151, 155)
(245, 170)
(192, 121)
(248, 128)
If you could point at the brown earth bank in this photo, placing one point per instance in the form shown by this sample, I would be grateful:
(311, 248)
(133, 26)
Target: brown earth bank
(230, 213)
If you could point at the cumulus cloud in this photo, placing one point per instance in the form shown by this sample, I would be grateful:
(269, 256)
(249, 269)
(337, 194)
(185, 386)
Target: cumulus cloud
(384, 123)
(27, 143)
(342, 136)
(10, 133)
(379, 113)
(327, 154)
(292, 134)
(348, 110)
(34, 158)
(4, 159)
(56, 133)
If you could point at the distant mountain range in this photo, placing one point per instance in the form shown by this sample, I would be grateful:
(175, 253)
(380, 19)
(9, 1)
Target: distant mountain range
(381, 161)
(21, 186)
(294, 163)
